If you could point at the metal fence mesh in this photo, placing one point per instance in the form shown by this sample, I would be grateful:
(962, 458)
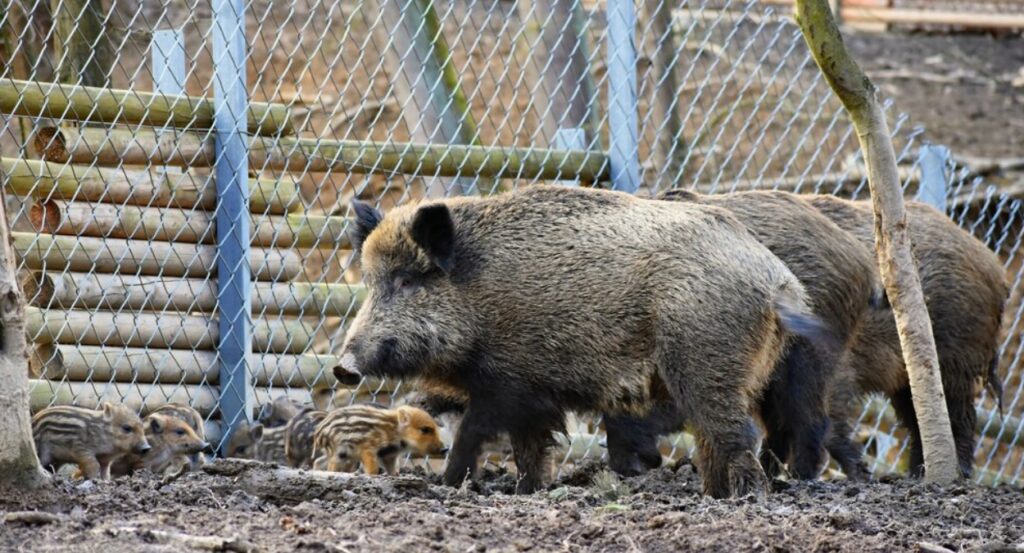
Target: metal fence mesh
(116, 219)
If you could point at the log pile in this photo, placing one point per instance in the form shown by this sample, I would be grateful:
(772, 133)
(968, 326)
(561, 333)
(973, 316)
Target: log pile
(120, 268)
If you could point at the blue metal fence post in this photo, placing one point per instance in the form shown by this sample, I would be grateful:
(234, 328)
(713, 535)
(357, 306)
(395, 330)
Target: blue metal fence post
(933, 161)
(623, 126)
(231, 103)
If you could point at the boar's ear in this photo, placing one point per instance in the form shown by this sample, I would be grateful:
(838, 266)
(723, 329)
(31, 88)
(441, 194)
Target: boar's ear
(256, 432)
(403, 416)
(108, 410)
(154, 425)
(434, 231)
(367, 219)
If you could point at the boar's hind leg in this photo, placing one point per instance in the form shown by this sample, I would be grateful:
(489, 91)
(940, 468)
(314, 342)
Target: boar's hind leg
(962, 418)
(726, 463)
(477, 427)
(846, 453)
(726, 437)
(795, 411)
(903, 404)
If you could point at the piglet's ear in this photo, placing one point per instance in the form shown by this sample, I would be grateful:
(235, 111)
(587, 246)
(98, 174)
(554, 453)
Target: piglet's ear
(367, 219)
(434, 231)
(155, 426)
(256, 432)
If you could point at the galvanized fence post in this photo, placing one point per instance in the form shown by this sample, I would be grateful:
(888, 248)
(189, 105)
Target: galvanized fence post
(623, 134)
(231, 105)
(933, 161)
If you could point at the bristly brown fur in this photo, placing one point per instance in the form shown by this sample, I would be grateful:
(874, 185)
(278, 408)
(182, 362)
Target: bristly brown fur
(839, 275)
(965, 290)
(552, 299)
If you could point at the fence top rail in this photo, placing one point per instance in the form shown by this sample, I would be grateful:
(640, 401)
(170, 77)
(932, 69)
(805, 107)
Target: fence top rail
(108, 105)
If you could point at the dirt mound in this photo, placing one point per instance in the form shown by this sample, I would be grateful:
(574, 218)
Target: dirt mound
(246, 507)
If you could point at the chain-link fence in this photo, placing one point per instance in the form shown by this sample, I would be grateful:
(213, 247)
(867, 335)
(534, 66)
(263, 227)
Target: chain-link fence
(129, 212)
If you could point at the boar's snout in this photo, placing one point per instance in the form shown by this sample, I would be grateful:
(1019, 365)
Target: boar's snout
(381, 358)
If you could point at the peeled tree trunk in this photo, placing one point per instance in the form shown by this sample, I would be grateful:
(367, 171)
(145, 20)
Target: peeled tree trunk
(892, 242)
(19, 465)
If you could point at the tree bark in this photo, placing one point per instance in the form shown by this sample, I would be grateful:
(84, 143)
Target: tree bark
(19, 465)
(896, 262)
(81, 46)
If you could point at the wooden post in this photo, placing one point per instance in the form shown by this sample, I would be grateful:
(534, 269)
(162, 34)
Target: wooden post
(19, 465)
(896, 261)
(80, 43)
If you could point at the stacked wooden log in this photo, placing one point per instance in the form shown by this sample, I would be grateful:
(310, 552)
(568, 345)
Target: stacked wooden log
(121, 270)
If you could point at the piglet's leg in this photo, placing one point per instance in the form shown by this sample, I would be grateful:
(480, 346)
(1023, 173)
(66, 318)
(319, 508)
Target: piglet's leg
(369, 459)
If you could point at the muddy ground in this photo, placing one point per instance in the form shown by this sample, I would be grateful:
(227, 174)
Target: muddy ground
(586, 510)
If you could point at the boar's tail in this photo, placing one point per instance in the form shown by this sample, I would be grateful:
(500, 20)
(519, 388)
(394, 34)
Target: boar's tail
(798, 320)
(994, 383)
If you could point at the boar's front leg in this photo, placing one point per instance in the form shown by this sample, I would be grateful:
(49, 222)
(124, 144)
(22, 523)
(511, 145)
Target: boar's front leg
(477, 427)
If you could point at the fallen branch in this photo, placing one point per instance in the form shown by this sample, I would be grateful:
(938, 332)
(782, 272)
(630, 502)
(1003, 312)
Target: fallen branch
(206, 543)
(32, 517)
(287, 485)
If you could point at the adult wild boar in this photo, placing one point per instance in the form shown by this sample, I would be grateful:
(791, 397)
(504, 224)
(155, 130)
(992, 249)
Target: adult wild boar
(551, 299)
(965, 290)
(839, 274)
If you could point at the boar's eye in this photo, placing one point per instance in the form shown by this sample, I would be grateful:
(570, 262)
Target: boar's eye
(126, 429)
(240, 449)
(404, 284)
(427, 430)
(179, 432)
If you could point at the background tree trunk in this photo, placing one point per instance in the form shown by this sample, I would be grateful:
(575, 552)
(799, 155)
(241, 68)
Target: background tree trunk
(19, 465)
(81, 46)
(555, 54)
(899, 270)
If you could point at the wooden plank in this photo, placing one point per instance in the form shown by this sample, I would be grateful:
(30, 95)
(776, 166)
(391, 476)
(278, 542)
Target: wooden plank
(312, 155)
(136, 257)
(71, 290)
(184, 226)
(108, 105)
(145, 187)
(168, 330)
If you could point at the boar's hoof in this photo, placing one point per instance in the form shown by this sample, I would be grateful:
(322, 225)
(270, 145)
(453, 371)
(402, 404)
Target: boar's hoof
(746, 476)
(527, 485)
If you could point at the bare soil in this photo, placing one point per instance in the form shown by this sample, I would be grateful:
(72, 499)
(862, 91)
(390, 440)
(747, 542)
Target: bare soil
(586, 510)
(967, 90)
